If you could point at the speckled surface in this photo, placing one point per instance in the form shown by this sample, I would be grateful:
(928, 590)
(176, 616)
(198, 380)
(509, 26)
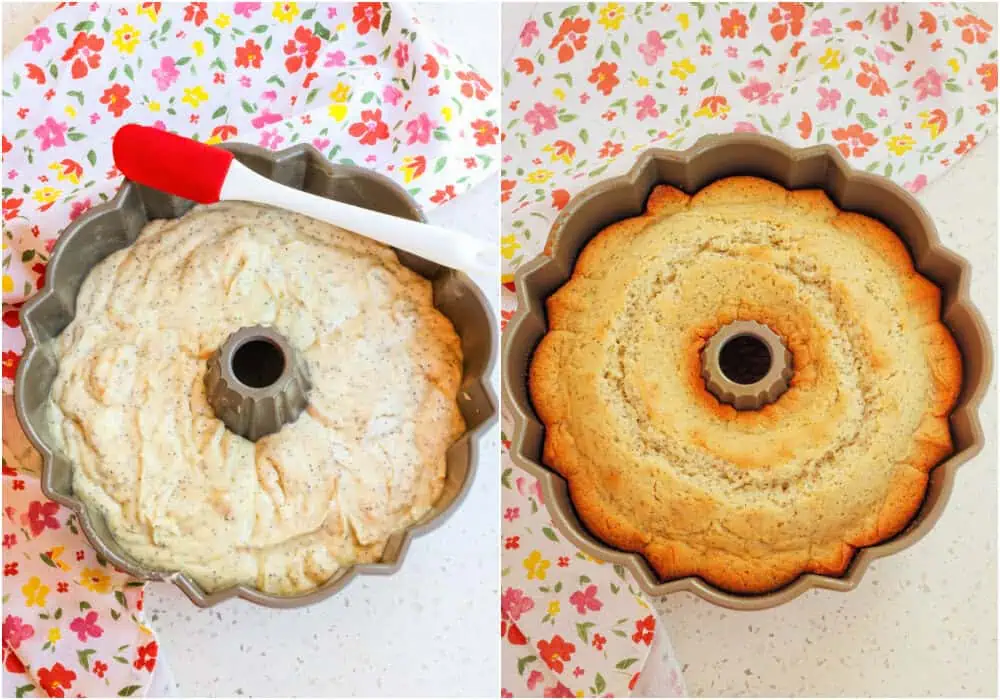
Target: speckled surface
(431, 628)
(923, 622)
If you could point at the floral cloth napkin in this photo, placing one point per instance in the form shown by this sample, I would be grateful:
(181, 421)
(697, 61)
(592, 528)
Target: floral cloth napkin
(902, 90)
(365, 83)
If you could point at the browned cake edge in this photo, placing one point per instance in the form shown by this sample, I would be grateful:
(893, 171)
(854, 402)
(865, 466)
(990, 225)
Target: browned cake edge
(673, 559)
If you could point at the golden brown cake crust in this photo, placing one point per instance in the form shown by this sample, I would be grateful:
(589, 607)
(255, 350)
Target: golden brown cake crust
(747, 500)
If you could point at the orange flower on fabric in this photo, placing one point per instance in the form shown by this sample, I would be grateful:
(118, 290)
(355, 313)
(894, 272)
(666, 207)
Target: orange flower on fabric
(556, 651)
(644, 629)
(871, 78)
(146, 657)
(855, 141)
(786, 19)
(805, 126)
(371, 129)
(560, 198)
(610, 149)
(116, 98)
(507, 189)
(85, 50)
(989, 73)
(196, 12)
(571, 37)
(249, 55)
(974, 29)
(965, 145)
(485, 132)
(56, 680)
(604, 77)
(735, 25)
(928, 22)
(303, 49)
(367, 16)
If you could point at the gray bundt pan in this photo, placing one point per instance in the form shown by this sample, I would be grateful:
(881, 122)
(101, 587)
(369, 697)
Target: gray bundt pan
(117, 223)
(710, 159)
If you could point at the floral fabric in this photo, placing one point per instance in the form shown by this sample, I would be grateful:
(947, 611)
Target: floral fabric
(365, 83)
(72, 625)
(902, 90)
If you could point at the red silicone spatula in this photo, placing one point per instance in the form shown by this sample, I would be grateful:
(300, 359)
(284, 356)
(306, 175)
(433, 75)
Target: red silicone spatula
(205, 174)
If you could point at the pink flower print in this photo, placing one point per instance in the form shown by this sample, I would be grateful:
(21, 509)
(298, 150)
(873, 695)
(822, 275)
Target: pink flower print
(391, 95)
(402, 54)
(265, 118)
(586, 600)
(884, 56)
(756, 91)
(512, 514)
(541, 117)
(559, 690)
(534, 678)
(246, 8)
(653, 48)
(158, 124)
(577, 672)
(269, 95)
(529, 487)
(321, 144)
(335, 59)
(94, 118)
(732, 52)
(646, 107)
(245, 81)
(513, 604)
(41, 516)
(331, 12)
(51, 133)
(86, 626)
(270, 139)
(528, 33)
(420, 129)
(757, 64)
(167, 74)
(15, 632)
(821, 27)
(916, 184)
(890, 17)
(744, 128)
(39, 38)
(78, 207)
(828, 99)
(928, 85)
(883, 113)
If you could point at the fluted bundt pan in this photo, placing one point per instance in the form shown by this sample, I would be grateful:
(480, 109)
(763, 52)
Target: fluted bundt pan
(116, 224)
(713, 158)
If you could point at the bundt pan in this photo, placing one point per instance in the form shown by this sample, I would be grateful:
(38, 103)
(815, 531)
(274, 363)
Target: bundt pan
(116, 224)
(710, 159)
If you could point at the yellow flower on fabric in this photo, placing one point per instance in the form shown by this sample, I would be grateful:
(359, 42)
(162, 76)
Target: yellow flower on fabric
(559, 94)
(642, 81)
(446, 114)
(285, 11)
(198, 48)
(682, 69)
(194, 96)
(413, 168)
(537, 177)
(953, 64)
(536, 566)
(148, 9)
(337, 112)
(154, 106)
(341, 27)
(222, 21)
(95, 580)
(54, 635)
(34, 592)
(684, 20)
(62, 174)
(8, 284)
(70, 111)
(340, 93)
(901, 144)
(553, 608)
(931, 121)
(126, 38)
(830, 60)
(612, 16)
(560, 150)
(47, 195)
(509, 246)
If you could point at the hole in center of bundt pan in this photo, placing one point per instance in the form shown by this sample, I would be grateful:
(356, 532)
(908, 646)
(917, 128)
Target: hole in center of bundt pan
(745, 359)
(258, 363)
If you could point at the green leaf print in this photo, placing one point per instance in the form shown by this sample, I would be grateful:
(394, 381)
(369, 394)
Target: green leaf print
(83, 656)
(735, 77)
(570, 11)
(308, 14)
(708, 83)
(128, 690)
(599, 684)
(523, 662)
(22, 690)
(625, 663)
(385, 22)
(866, 121)
(550, 534)
(584, 136)
(322, 32)
(565, 77)
(850, 106)
(61, 30)
(440, 163)
(120, 597)
(84, 26)
(582, 630)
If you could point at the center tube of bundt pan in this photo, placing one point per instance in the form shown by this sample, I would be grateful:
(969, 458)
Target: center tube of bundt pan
(746, 365)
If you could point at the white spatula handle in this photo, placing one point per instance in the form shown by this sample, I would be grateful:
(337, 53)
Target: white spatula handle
(451, 248)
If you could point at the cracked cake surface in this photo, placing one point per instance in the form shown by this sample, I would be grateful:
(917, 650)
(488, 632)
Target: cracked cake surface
(747, 500)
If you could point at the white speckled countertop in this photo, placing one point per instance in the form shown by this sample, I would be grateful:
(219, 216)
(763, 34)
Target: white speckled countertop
(431, 628)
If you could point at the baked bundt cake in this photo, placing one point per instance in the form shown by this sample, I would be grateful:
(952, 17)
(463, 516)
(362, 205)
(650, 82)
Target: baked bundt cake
(745, 499)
